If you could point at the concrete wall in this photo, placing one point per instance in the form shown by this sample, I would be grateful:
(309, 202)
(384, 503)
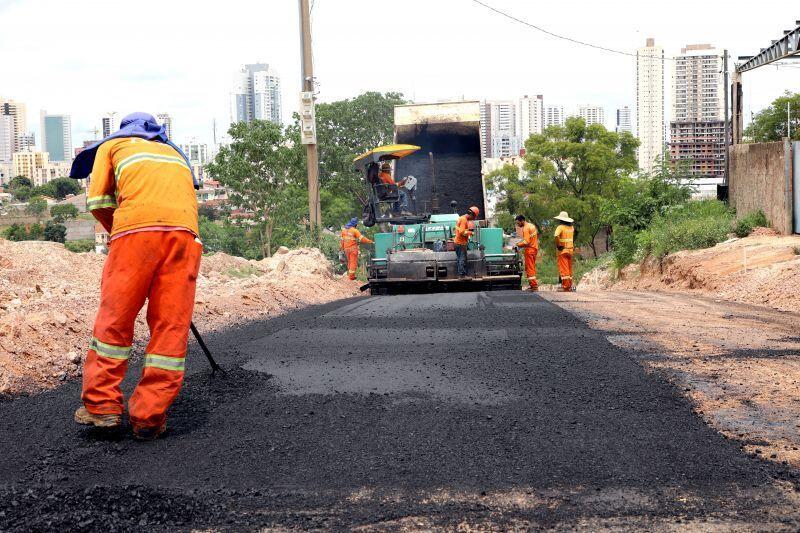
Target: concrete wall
(760, 178)
(79, 230)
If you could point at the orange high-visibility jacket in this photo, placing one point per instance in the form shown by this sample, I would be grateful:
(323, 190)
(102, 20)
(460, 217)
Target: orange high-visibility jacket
(564, 239)
(530, 237)
(136, 183)
(386, 177)
(351, 238)
(463, 233)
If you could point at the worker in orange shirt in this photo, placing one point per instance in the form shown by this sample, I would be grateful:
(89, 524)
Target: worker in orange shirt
(385, 174)
(351, 238)
(142, 190)
(529, 246)
(565, 246)
(465, 227)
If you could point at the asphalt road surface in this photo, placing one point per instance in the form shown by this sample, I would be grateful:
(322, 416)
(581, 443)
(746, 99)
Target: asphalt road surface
(488, 410)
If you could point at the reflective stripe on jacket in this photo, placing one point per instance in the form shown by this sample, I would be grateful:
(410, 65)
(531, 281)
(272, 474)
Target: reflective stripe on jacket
(529, 235)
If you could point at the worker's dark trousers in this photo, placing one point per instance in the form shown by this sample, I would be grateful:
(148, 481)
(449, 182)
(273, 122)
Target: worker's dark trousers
(461, 259)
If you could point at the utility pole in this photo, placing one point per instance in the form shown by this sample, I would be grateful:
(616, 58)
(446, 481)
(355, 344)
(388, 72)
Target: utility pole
(308, 132)
(727, 118)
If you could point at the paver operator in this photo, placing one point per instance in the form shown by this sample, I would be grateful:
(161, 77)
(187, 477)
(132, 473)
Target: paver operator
(529, 247)
(351, 238)
(565, 246)
(142, 190)
(465, 227)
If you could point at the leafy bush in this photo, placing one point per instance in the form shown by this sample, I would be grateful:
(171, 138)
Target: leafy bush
(54, 232)
(62, 212)
(745, 225)
(81, 246)
(690, 226)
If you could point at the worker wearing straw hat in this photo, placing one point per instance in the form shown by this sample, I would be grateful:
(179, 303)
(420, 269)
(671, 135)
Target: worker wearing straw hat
(565, 246)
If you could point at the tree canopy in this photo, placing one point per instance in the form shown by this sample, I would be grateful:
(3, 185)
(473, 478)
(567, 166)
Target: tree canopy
(572, 168)
(771, 124)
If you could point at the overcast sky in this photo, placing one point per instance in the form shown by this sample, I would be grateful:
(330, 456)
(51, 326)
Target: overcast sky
(86, 57)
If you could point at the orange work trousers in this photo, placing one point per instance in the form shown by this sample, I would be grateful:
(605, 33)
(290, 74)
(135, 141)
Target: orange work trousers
(565, 270)
(161, 267)
(352, 262)
(529, 256)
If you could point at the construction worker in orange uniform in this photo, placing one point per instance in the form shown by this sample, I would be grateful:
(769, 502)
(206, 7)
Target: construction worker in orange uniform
(564, 239)
(386, 174)
(465, 227)
(351, 238)
(142, 190)
(529, 246)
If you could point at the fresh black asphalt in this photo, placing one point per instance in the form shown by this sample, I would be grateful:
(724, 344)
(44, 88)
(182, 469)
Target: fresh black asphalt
(496, 410)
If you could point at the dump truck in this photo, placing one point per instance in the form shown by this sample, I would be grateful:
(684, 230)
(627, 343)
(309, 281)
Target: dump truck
(440, 146)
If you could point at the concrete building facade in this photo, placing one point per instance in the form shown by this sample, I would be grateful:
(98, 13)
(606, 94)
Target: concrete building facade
(650, 104)
(256, 94)
(19, 118)
(501, 137)
(26, 163)
(531, 116)
(624, 122)
(697, 128)
(8, 138)
(57, 136)
(166, 120)
(109, 123)
(592, 114)
(554, 115)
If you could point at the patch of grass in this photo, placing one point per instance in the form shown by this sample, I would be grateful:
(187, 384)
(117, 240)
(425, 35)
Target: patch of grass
(247, 271)
(691, 226)
(82, 246)
(745, 225)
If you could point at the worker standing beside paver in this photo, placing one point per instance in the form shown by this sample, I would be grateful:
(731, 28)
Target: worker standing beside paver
(351, 238)
(529, 246)
(464, 229)
(142, 190)
(564, 239)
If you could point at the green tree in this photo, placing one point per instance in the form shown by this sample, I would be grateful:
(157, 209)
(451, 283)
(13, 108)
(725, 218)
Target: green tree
(263, 173)
(54, 232)
(771, 124)
(59, 188)
(572, 167)
(35, 232)
(345, 129)
(19, 181)
(204, 210)
(16, 232)
(62, 212)
(22, 193)
(36, 206)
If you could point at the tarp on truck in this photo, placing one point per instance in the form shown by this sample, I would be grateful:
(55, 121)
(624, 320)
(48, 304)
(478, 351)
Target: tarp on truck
(451, 131)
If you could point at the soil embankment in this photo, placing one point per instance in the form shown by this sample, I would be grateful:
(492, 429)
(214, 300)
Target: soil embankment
(49, 297)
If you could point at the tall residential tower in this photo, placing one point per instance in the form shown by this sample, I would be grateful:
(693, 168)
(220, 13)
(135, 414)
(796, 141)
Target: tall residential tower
(57, 136)
(650, 104)
(531, 116)
(697, 128)
(256, 94)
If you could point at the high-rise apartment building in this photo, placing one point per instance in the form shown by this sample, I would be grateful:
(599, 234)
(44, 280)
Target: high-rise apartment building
(256, 94)
(197, 152)
(499, 126)
(28, 162)
(57, 136)
(531, 116)
(17, 111)
(110, 124)
(624, 122)
(592, 114)
(554, 115)
(8, 138)
(650, 104)
(697, 128)
(26, 141)
(166, 120)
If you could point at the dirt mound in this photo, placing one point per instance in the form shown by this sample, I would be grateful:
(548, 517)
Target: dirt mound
(760, 269)
(49, 297)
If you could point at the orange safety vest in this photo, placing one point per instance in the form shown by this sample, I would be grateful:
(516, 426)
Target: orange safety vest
(529, 235)
(565, 235)
(463, 232)
(351, 237)
(386, 178)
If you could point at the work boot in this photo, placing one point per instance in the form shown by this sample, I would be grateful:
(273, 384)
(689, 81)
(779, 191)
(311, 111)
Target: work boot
(148, 434)
(84, 417)
(534, 289)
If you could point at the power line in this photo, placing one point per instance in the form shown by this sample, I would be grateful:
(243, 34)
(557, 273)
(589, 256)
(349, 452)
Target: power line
(556, 35)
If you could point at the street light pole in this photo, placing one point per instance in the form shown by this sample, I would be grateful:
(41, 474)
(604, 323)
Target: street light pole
(308, 132)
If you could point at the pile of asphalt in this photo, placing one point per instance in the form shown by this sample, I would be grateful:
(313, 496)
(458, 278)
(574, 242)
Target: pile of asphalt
(407, 411)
